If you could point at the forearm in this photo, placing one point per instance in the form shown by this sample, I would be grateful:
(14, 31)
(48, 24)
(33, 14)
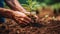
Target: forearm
(15, 5)
(6, 13)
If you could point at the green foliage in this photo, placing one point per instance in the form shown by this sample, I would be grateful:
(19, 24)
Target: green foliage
(56, 6)
(32, 5)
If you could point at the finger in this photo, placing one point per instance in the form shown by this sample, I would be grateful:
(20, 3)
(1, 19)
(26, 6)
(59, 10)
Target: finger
(23, 21)
(28, 19)
(27, 13)
(20, 20)
(36, 16)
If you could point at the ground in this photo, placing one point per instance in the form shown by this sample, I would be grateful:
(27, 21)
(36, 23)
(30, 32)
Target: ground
(11, 27)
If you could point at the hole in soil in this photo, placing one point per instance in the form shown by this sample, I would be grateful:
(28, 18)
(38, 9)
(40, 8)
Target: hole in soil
(36, 25)
(32, 24)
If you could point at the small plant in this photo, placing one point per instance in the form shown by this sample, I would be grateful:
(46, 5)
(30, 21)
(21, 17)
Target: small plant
(31, 5)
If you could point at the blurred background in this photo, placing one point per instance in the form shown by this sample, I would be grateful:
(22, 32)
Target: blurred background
(47, 9)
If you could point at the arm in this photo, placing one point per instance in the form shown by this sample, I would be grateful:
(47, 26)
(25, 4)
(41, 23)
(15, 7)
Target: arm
(19, 17)
(6, 13)
(15, 5)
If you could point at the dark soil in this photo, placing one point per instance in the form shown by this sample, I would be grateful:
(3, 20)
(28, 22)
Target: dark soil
(11, 27)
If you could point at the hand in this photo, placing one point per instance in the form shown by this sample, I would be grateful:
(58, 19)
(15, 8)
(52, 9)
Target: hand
(34, 17)
(21, 18)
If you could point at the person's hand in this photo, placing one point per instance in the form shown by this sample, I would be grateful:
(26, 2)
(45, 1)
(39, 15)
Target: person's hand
(21, 18)
(33, 16)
